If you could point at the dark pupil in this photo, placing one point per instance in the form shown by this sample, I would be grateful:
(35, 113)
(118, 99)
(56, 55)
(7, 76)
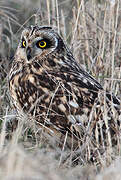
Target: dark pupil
(41, 43)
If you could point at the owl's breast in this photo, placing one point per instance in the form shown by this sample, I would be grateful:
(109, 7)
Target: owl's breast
(31, 90)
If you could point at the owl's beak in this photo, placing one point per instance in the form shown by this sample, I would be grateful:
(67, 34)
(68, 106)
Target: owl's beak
(28, 53)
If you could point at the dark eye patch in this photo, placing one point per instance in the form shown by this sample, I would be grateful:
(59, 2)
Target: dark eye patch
(43, 43)
(23, 43)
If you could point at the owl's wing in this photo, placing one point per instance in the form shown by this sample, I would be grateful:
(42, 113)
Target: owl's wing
(71, 72)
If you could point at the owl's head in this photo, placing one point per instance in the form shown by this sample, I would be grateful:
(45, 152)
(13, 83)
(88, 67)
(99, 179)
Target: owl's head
(38, 41)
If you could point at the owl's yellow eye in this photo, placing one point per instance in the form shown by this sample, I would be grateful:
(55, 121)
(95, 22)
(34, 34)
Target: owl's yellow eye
(23, 43)
(41, 44)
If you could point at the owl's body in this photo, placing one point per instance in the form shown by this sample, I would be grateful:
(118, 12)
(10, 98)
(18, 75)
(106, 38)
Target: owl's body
(47, 84)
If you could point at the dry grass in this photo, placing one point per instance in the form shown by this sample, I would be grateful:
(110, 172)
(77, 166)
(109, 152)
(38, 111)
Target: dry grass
(93, 31)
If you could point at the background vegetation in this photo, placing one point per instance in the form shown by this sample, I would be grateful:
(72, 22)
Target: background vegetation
(92, 30)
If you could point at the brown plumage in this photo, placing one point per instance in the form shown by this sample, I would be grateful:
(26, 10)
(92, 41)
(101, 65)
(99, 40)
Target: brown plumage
(47, 83)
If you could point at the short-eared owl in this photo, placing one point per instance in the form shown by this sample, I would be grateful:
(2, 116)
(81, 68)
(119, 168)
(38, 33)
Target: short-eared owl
(47, 84)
